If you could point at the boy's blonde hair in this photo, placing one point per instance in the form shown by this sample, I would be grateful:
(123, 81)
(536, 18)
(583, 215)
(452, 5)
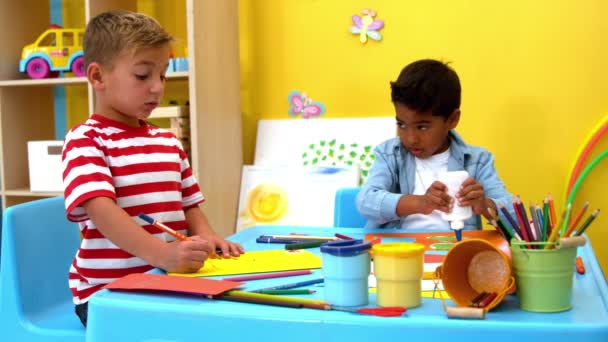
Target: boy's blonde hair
(109, 34)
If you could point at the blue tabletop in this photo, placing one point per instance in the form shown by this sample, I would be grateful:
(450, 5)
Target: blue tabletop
(132, 316)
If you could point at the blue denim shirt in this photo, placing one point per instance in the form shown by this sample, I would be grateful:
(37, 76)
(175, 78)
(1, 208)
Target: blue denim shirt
(393, 175)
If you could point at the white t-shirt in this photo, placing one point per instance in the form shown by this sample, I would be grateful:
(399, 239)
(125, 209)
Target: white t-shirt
(427, 171)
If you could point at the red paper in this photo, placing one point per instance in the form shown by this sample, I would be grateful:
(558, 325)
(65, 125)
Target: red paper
(160, 282)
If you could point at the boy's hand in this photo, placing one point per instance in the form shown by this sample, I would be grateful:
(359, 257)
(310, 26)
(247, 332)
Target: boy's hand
(186, 256)
(471, 193)
(436, 198)
(228, 248)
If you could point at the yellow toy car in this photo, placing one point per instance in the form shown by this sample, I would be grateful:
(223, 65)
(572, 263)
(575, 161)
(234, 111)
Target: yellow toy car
(57, 49)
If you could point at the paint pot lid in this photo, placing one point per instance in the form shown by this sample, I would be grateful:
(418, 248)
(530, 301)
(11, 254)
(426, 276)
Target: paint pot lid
(398, 249)
(345, 247)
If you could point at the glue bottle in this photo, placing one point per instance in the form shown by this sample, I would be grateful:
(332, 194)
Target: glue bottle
(453, 180)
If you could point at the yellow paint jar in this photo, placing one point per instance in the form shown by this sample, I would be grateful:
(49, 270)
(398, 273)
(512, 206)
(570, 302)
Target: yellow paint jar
(398, 268)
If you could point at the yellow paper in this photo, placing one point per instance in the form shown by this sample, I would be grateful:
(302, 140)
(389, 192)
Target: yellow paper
(258, 262)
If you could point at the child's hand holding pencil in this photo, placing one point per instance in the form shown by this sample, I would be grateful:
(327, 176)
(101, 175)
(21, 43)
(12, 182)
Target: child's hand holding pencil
(185, 255)
(218, 245)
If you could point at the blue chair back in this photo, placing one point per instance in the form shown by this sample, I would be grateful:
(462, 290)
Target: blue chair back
(346, 214)
(38, 245)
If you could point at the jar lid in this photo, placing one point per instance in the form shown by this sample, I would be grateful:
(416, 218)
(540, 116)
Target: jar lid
(398, 249)
(345, 247)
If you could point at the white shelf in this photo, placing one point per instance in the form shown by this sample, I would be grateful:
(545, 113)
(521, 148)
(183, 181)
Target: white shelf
(27, 193)
(177, 74)
(45, 81)
(70, 80)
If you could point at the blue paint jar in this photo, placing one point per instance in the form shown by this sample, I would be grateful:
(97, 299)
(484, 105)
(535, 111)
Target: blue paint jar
(346, 267)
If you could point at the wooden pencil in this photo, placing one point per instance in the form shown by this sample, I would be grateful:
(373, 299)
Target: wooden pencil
(260, 301)
(576, 219)
(586, 224)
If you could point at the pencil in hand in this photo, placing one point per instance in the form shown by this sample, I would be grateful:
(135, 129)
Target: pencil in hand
(162, 227)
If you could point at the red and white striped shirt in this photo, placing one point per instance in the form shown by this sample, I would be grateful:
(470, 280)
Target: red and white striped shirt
(145, 170)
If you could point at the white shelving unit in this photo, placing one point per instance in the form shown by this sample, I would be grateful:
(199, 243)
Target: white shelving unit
(213, 86)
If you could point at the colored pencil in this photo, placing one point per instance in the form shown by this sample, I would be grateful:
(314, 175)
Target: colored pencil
(507, 227)
(566, 221)
(292, 285)
(586, 224)
(509, 218)
(304, 245)
(487, 299)
(343, 237)
(248, 294)
(576, 220)
(270, 239)
(552, 211)
(536, 223)
(260, 301)
(497, 225)
(500, 229)
(162, 227)
(387, 311)
(520, 212)
(546, 217)
(303, 237)
(522, 227)
(524, 218)
(541, 219)
(268, 275)
(288, 292)
(555, 232)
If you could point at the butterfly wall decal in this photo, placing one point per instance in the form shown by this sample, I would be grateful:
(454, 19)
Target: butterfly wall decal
(300, 103)
(367, 26)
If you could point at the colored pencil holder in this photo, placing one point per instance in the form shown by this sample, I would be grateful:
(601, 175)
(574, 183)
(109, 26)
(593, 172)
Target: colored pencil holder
(346, 268)
(544, 276)
(475, 266)
(398, 268)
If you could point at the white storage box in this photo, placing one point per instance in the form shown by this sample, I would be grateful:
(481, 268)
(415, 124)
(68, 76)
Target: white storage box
(44, 158)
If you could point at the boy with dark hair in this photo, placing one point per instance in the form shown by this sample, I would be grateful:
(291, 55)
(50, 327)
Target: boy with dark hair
(402, 189)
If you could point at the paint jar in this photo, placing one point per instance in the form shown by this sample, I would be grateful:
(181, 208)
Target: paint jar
(475, 266)
(346, 268)
(544, 276)
(398, 268)
(453, 180)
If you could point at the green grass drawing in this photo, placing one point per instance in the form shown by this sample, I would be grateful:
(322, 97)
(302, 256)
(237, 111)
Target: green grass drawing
(332, 152)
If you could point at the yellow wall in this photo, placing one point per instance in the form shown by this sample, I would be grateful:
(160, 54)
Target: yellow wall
(532, 72)
(533, 75)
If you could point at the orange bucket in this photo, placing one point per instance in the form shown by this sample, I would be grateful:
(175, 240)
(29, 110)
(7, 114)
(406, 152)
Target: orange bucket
(474, 266)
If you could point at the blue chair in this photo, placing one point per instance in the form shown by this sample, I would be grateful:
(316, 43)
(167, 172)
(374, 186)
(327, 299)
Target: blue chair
(38, 245)
(346, 214)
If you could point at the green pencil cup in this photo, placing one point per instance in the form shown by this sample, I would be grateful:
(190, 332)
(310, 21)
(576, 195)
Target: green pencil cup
(544, 275)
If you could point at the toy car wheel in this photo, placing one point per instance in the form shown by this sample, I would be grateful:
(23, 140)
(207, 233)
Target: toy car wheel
(78, 67)
(38, 68)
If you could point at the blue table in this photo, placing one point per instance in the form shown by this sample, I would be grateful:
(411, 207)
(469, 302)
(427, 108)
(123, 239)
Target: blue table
(130, 316)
